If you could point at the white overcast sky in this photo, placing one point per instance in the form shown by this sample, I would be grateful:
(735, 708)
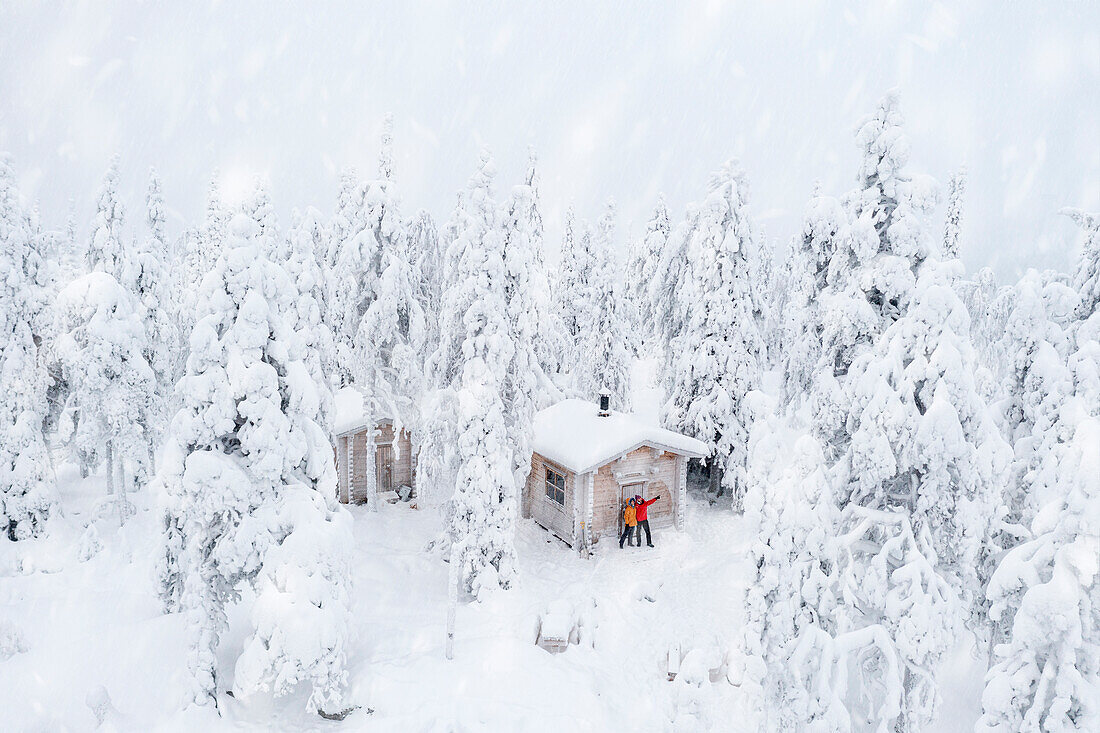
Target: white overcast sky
(620, 100)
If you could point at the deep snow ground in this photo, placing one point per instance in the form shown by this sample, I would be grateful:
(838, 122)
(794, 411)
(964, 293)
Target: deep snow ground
(97, 624)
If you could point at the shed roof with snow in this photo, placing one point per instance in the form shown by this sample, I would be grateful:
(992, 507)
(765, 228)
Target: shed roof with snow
(351, 412)
(573, 435)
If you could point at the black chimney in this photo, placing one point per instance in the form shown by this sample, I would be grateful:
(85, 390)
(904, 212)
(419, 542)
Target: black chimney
(605, 403)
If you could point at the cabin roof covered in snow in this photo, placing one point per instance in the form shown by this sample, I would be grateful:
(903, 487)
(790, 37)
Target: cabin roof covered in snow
(351, 414)
(574, 436)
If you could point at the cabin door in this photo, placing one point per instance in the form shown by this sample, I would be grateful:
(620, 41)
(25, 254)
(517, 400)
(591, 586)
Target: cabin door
(384, 465)
(626, 493)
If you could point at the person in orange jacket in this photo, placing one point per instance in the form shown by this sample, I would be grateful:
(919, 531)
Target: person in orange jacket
(641, 513)
(630, 521)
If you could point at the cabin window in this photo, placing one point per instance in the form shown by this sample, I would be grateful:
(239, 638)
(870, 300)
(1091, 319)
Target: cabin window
(555, 486)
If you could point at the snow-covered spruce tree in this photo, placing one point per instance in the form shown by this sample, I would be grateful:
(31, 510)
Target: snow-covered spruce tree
(525, 289)
(717, 357)
(106, 251)
(27, 494)
(101, 349)
(388, 368)
(426, 256)
(823, 227)
(641, 271)
(1086, 279)
(1035, 387)
(989, 307)
(956, 189)
(573, 292)
(672, 294)
(298, 256)
(158, 306)
(550, 340)
(473, 357)
(1045, 594)
(202, 247)
(872, 273)
(259, 208)
(603, 345)
(919, 486)
(790, 507)
(250, 488)
(376, 231)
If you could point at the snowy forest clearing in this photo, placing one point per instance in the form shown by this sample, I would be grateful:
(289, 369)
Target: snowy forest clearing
(87, 625)
(96, 624)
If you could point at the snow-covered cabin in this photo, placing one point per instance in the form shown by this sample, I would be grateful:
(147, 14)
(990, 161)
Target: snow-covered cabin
(394, 463)
(588, 460)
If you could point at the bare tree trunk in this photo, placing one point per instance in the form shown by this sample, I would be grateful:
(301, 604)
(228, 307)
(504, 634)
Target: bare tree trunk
(452, 602)
(110, 469)
(372, 470)
(121, 492)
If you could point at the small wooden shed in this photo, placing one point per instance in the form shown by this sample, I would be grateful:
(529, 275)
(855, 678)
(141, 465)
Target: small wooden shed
(394, 462)
(587, 462)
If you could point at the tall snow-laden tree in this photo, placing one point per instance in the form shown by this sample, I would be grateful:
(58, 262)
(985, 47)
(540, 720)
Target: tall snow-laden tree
(792, 512)
(603, 345)
(1045, 594)
(642, 271)
(717, 356)
(672, 294)
(525, 290)
(390, 341)
(158, 306)
(956, 189)
(249, 487)
(426, 255)
(202, 247)
(1035, 386)
(106, 251)
(27, 492)
(920, 489)
(370, 234)
(298, 256)
(259, 208)
(824, 227)
(101, 348)
(1086, 279)
(574, 292)
(472, 360)
(872, 273)
(550, 338)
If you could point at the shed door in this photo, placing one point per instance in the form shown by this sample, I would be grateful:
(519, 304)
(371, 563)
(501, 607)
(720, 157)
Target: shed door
(384, 465)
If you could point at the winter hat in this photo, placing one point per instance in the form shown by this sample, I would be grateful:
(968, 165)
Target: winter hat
(638, 498)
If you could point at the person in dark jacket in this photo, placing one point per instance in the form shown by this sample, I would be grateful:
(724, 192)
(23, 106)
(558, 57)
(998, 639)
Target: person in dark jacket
(641, 513)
